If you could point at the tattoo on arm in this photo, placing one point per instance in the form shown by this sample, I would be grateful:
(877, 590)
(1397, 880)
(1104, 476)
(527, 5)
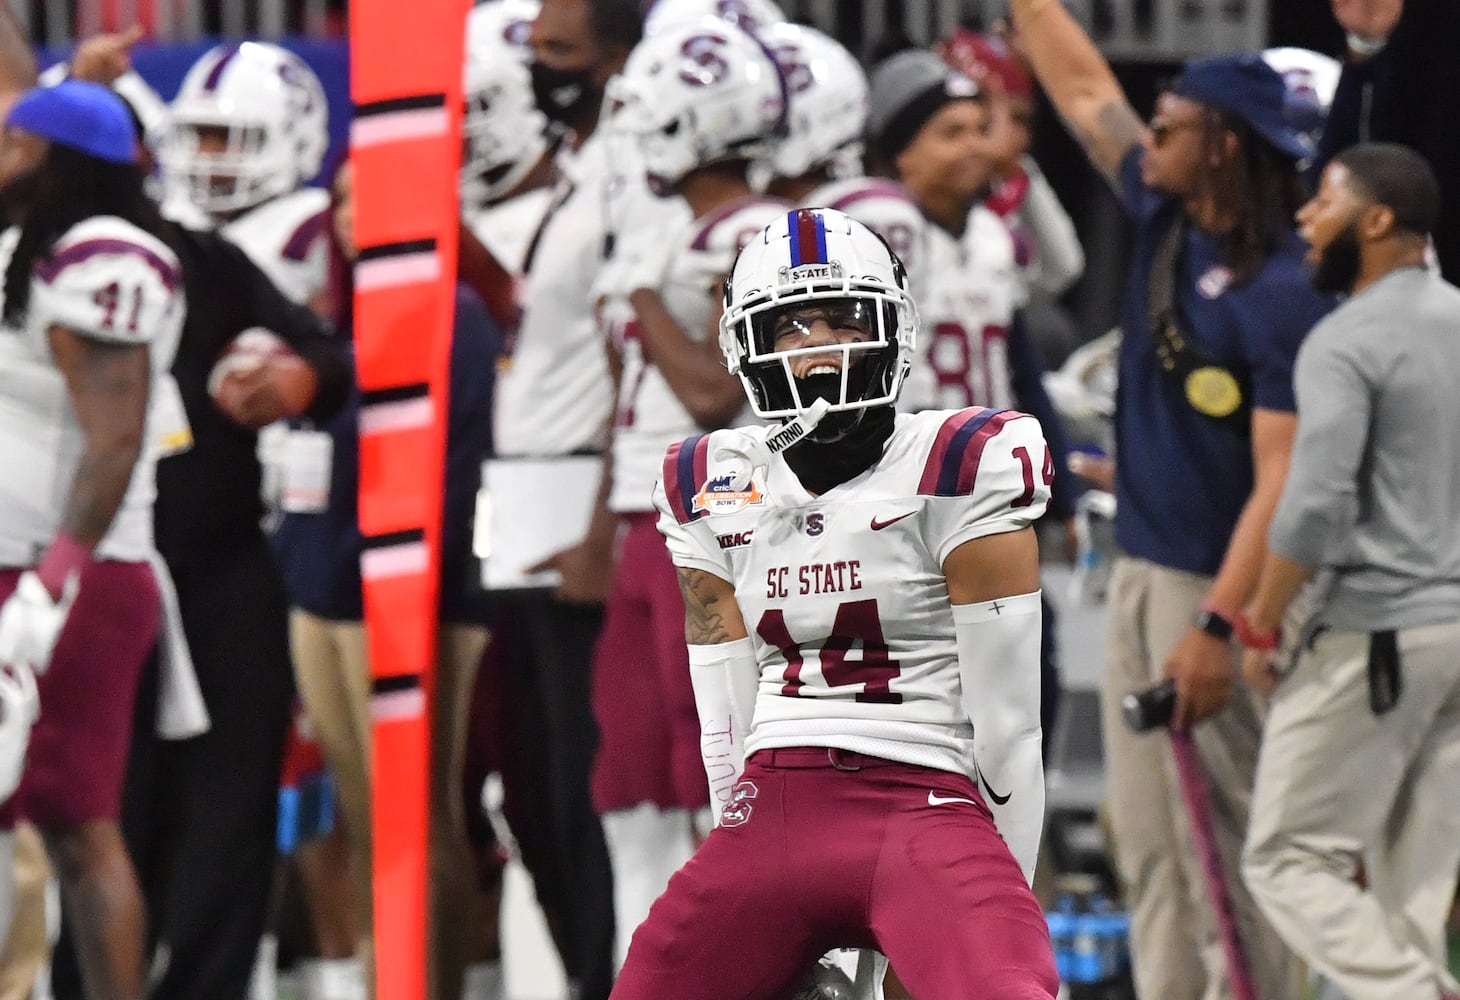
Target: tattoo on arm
(108, 385)
(710, 613)
(1116, 129)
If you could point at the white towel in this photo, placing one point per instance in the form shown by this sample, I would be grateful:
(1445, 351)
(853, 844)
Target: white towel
(181, 713)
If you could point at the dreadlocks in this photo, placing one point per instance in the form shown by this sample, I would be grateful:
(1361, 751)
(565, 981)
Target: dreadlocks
(1259, 186)
(66, 188)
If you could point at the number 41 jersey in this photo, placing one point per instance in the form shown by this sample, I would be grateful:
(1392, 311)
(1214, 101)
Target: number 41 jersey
(843, 594)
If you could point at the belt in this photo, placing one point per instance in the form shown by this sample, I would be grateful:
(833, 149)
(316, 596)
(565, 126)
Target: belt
(809, 757)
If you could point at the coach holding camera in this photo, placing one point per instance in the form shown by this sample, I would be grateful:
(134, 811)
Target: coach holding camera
(1360, 757)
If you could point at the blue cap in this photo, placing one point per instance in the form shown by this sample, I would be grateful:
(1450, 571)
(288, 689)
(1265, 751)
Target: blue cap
(87, 117)
(1246, 86)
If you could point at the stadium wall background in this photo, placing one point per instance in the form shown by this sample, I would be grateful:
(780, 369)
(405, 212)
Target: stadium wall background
(1142, 56)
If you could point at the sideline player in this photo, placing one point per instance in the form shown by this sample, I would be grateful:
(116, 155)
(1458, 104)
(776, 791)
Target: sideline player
(249, 128)
(698, 100)
(862, 613)
(93, 311)
(819, 162)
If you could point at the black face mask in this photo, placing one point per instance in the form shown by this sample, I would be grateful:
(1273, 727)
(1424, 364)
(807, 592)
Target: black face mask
(1338, 266)
(564, 94)
(843, 446)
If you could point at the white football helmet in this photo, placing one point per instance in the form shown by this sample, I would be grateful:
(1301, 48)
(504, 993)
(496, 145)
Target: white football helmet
(503, 134)
(813, 259)
(828, 94)
(697, 94)
(1311, 79)
(747, 14)
(276, 119)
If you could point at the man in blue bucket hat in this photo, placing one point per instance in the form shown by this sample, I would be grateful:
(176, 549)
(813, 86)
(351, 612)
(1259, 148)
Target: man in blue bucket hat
(1216, 305)
(92, 308)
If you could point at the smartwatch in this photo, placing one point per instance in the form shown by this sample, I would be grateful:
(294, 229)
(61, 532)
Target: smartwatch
(1214, 624)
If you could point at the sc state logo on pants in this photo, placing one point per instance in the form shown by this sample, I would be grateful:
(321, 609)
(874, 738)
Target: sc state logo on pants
(740, 805)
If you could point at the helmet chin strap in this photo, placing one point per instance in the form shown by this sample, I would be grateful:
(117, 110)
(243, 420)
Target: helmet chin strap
(743, 455)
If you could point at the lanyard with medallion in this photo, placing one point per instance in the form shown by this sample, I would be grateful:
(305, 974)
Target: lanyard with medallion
(1210, 388)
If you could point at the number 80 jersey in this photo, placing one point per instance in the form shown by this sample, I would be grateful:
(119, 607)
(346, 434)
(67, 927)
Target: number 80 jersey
(843, 594)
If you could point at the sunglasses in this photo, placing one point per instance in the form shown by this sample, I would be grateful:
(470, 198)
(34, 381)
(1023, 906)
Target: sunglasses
(1162, 131)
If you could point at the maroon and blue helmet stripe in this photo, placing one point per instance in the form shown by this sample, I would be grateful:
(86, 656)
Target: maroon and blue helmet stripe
(215, 74)
(808, 237)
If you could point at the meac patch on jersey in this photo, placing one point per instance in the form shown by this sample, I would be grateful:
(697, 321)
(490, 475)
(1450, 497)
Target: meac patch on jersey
(108, 280)
(844, 594)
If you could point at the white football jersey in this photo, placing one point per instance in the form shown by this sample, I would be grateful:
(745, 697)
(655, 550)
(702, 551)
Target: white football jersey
(650, 417)
(106, 280)
(884, 207)
(844, 594)
(287, 238)
(972, 288)
(506, 228)
(554, 392)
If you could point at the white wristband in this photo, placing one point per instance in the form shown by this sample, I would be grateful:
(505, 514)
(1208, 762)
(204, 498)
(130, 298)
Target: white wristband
(724, 677)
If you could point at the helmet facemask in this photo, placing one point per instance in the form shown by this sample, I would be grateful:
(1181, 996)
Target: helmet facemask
(244, 173)
(860, 374)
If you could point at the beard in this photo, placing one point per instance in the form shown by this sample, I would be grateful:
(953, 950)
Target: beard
(1338, 263)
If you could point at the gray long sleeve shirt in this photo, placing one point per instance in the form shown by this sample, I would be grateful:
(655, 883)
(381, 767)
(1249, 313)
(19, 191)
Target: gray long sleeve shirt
(1373, 493)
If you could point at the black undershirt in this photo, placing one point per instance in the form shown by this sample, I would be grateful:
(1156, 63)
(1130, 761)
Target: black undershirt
(822, 465)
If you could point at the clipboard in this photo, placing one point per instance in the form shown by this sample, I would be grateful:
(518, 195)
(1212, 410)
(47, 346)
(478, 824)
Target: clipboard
(529, 509)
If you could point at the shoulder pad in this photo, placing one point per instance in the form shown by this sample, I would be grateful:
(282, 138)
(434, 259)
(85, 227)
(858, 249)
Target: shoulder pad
(951, 468)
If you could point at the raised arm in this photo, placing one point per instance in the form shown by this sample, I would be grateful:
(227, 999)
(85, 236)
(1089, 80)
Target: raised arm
(1079, 82)
(17, 60)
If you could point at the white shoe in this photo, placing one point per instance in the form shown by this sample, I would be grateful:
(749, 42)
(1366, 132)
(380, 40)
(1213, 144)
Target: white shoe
(334, 979)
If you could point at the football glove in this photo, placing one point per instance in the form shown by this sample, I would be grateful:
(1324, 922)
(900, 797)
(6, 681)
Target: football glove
(19, 708)
(31, 621)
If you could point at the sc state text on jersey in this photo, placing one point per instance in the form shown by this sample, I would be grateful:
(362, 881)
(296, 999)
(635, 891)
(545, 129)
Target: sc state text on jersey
(814, 578)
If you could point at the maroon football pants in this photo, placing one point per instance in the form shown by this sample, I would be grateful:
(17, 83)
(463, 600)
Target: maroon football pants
(823, 849)
(649, 731)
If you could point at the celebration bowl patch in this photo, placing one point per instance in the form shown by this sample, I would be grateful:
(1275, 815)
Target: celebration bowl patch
(719, 496)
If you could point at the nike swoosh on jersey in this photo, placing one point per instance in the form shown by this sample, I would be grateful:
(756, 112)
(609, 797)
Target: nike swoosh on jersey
(998, 799)
(935, 800)
(879, 525)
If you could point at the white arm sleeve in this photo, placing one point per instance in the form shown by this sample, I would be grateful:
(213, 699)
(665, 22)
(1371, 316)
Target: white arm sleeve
(998, 659)
(725, 677)
(1061, 259)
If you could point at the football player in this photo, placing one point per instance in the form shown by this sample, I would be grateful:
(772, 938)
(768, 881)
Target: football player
(929, 130)
(553, 402)
(249, 129)
(93, 310)
(506, 166)
(699, 102)
(862, 615)
(819, 162)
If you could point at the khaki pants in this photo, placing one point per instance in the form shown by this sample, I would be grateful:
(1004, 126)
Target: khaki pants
(1176, 953)
(332, 667)
(1337, 785)
(26, 949)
